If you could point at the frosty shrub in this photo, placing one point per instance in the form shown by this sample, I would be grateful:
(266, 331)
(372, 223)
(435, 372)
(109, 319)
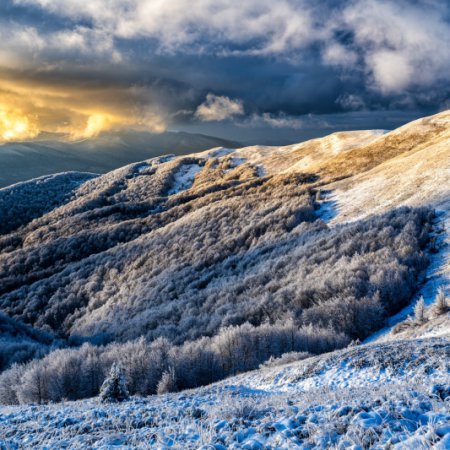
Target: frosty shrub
(440, 305)
(419, 311)
(285, 358)
(168, 382)
(114, 388)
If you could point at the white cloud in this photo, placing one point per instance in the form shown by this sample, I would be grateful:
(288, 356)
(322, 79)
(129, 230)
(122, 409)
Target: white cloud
(270, 27)
(392, 70)
(25, 47)
(281, 121)
(337, 54)
(402, 44)
(393, 45)
(351, 102)
(19, 45)
(83, 40)
(217, 108)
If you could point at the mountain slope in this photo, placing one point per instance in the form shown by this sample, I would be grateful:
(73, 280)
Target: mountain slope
(384, 396)
(418, 174)
(228, 202)
(71, 262)
(213, 255)
(23, 202)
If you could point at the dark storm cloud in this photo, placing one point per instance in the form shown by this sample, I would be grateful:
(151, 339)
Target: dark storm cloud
(258, 63)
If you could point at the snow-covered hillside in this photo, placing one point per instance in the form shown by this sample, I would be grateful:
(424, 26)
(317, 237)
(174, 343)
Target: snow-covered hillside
(198, 268)
(380, 396)
(437, 277)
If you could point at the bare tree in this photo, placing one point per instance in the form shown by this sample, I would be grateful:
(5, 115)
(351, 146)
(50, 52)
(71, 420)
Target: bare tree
(419, 311)
(168, 382)
(440, 305)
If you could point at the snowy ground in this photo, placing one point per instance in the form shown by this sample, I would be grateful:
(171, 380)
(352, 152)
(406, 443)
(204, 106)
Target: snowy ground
(378, 396)
(184, 178)
(327, 206)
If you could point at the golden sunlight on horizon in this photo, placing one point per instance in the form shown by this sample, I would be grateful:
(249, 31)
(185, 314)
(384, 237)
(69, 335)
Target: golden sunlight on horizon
(94, 125)
(28, 109)
(15, 126)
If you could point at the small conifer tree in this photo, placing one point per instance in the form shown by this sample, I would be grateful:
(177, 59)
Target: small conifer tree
(114, 388)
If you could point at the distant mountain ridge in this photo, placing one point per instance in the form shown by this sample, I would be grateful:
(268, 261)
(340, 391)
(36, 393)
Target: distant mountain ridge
(21, 161)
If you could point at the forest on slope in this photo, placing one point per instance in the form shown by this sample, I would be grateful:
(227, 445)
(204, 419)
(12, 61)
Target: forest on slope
(182, 261)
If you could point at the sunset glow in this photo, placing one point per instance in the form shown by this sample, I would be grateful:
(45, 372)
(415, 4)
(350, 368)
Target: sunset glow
(96, 123)
(16, 126)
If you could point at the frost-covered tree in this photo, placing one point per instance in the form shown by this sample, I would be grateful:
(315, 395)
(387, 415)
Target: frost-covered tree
(440, 305)
(114, 388)
(419, 311)
(34, 384)
(168, 382)
(8, 385)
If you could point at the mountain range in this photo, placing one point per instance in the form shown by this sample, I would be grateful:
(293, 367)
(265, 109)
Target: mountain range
(51, 152)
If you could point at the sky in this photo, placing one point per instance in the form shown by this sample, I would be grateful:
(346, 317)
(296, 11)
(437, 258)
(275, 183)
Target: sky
(253, 70)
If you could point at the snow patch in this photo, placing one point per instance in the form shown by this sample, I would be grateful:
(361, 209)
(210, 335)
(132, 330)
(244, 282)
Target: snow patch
(261, 170)
(221, 152)
(184, 178)
(216, 152)
(152, 164)
(143, 168)
(237, 161)
(327, 206)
